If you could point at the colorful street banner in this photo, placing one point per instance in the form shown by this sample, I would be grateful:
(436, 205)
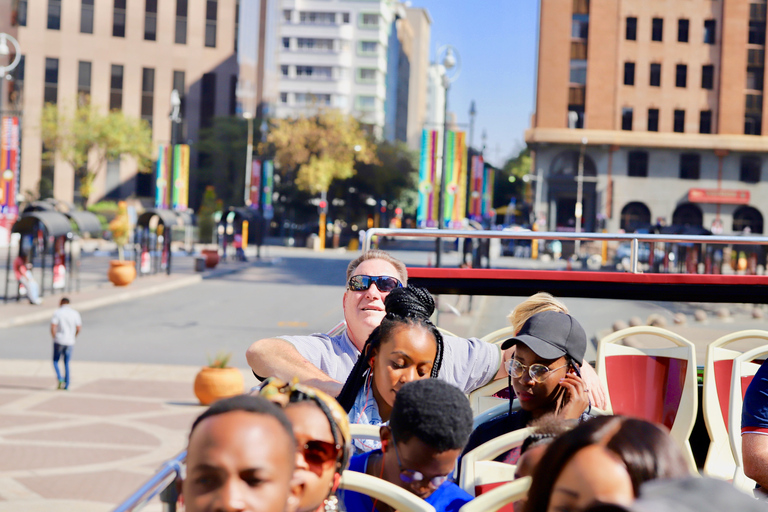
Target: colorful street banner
(9, 164)
(426, 215)
(489, 176)
(162, 176)
(180, 177)
(254, 193)
(267, 195)
(455, 207)
(476, 189)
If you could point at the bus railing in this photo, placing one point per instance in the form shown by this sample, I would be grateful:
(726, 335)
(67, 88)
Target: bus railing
(163, 483)
(633, 238)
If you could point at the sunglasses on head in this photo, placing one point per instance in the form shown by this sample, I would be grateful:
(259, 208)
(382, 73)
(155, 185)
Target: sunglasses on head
(383, 283)
(319, 453)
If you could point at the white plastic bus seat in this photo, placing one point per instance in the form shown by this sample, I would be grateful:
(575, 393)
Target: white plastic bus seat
(499, 336)
(359, 431)
(744, 369)
(378, 489)
(655, 384)
(718, 368)
(478, 469)
(499, 497)
(482, 398)
(494, 411)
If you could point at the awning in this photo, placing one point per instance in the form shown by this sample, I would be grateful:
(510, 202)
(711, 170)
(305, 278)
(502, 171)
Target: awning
(39, 206)
(185, 219)
(86, 222)
(55, 223)
(241, 213)
(167, 217)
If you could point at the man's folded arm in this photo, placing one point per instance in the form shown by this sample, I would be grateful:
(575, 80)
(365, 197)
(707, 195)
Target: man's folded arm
(275, 357)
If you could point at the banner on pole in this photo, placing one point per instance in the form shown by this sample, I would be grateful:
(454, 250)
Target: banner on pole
(476, 189)
(254, 194)
(455, 180)
(267, 195)
(162, 177)
(426, 215)
(488, 178)
(181, 177)
(9, 164)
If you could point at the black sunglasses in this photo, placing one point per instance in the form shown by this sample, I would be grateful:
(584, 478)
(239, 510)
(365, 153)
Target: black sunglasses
(319, 453)
(383, 283)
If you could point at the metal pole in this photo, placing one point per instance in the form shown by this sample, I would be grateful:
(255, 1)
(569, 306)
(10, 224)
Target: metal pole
(441, 195)
(248, 161)
(580, 192)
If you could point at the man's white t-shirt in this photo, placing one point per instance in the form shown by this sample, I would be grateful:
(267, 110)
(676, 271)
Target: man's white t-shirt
(66, 320)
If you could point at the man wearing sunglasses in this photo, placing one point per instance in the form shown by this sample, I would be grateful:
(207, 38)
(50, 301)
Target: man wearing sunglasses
(430, 424)
(325, 361)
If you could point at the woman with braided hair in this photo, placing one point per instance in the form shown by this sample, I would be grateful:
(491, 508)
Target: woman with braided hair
(405, 347)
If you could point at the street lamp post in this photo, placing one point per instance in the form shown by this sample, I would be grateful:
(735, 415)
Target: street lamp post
(580, 193)
(450, 61)
(175, 117)
(5, 51)
(248, 159)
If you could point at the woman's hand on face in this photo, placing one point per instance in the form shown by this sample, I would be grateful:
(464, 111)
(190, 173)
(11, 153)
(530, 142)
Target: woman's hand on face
(577, 397)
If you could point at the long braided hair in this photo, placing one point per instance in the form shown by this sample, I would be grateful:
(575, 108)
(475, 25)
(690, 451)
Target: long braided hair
(404, 306)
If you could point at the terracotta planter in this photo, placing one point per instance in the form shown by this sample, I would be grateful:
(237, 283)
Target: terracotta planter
(211, 257)
(212, 384)
(121, 273)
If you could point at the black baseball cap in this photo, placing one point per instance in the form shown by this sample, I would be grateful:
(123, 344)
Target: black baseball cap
(551, 335)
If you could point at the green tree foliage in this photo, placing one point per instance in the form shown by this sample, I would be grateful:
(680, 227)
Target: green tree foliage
(314, 151)
(222, 149)
(205, 221)
(86, 139)
(509, 182)
(120, 228)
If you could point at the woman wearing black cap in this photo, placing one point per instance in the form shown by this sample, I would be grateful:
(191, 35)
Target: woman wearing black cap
(544, 374)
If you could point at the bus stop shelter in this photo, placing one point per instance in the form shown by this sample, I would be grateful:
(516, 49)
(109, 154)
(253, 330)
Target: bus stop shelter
(152, 240)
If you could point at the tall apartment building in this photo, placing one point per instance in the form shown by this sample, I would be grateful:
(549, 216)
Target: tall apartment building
(123, 55)
(364, 58)
(659, 104)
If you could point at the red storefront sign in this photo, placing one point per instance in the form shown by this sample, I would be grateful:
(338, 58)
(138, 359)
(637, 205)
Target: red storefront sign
(718, 196)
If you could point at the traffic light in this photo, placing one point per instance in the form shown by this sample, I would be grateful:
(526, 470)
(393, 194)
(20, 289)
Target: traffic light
(399, 212)
(322, 207)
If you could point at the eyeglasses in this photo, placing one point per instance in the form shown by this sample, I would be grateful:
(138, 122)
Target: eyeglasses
(538, 372)
(319, 453)
(415, 478)
(384, 283)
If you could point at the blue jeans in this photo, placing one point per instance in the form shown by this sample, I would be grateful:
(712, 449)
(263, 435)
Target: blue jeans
(58, 351)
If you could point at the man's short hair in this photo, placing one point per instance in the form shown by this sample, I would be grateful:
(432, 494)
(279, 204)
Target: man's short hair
(247, 403)
(63, 301)
(433, 411)
(376, 254)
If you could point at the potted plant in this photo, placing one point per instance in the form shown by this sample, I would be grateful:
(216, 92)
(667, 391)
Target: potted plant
(218, 380)
(121, 272)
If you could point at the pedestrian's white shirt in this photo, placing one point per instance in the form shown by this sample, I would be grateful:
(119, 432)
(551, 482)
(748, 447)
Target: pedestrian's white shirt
(66, 320)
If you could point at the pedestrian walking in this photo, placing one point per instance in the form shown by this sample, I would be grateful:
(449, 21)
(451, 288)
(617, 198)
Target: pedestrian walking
(65, 326)
(23, 273)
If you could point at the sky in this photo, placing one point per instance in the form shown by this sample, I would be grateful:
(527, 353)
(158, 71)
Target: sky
(496, 41)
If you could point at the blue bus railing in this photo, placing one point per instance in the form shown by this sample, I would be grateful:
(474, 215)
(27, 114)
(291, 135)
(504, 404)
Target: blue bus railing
(162, 484)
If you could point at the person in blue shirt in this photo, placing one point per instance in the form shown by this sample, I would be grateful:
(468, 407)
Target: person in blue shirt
(754, 431)
(429, 425)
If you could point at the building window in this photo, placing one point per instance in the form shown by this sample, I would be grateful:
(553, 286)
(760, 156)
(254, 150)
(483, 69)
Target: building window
(51, 81)
(284, 97)
(286, 43)
(755, 57)
(369, 47)
(21, 13)
(150, 20)
(580, 26)
(576, 116)
(284, 70)
(116, 88)
(755, 78)
(757, 11)
(657, 29)
(210, 23)
(626, 118)
(366, 102)
(83, 82)
(118, 19)
(86, 17)
(315, 72)
(287, 14)
(750, 169)
(682, 30)
(16, 86)
(653, 119)
(637, 164)
(181, 22)
(631, 31)
(345, 17)
(656, 75)
(709, 32)
(47, 167)
(578, 72)
(313, 99)
(679, 123)
(705, 121)
(208, 100)
(233, 95)
(147, 94)
(367, 74)
(681, 75)
(314, 44)
(369, 20)
(54, 14)
(690, 164)
(317, 18)
(753, 124)
(179, 85)
(629, 73)
(707, 76)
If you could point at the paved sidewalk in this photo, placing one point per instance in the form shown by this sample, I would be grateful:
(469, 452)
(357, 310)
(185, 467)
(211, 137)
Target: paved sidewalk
(88, 448)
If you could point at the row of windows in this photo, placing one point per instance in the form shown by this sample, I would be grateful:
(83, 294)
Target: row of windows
(755, 79)
(326, 45)
(362, 102)
(690, 166)
(657, 30)
(119, 19)
(327, 73)
(678, 124)
(366, 20)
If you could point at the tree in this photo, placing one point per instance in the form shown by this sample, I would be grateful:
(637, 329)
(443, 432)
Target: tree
(87, 139)
(222, 148)
(509, 182)
(317, 150)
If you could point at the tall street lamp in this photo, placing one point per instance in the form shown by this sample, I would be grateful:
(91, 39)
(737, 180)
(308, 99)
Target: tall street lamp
(5, 51)
(452, 68)
(175, 117)
(248, 159)
(580, 192)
